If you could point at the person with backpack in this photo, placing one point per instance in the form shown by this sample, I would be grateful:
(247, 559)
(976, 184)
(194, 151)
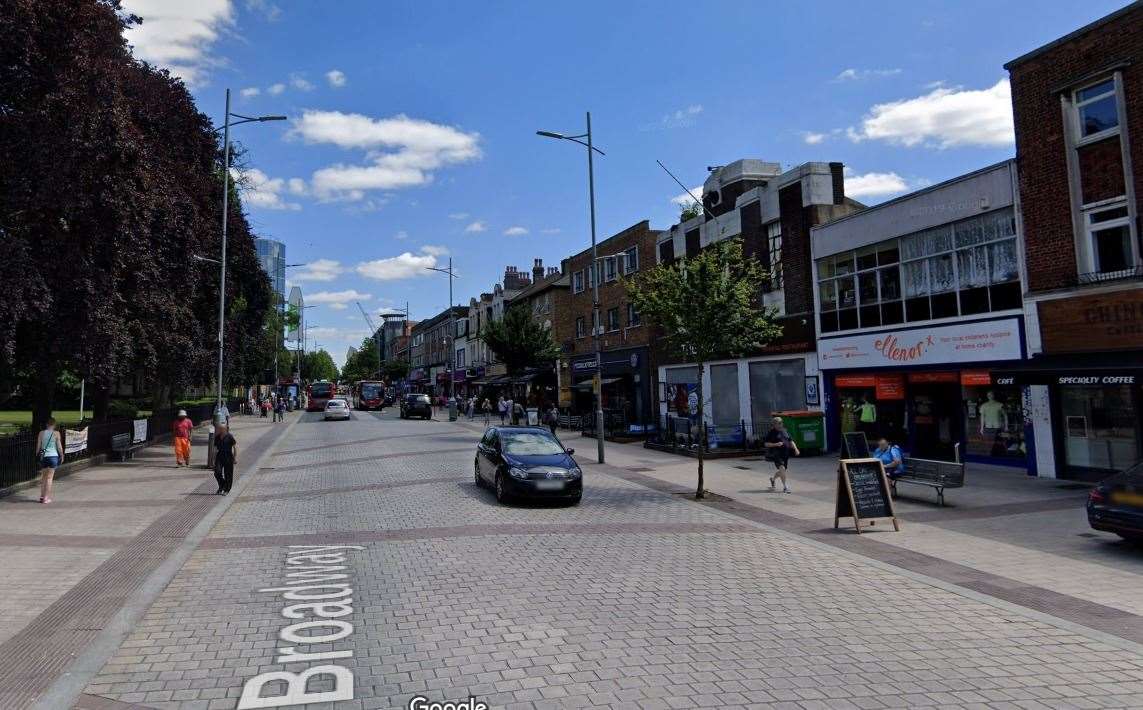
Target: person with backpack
(891, 457)
(779, 447)
(50, 451)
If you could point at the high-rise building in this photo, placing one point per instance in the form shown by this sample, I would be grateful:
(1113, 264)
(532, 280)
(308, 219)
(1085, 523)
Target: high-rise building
(272, 256)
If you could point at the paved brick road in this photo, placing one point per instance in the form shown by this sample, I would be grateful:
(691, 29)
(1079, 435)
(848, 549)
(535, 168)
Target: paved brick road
(636, 598)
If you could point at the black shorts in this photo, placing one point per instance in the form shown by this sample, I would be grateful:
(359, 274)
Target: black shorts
(781, 461)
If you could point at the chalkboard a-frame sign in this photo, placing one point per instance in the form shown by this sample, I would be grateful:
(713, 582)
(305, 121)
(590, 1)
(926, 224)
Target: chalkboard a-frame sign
(863, 493)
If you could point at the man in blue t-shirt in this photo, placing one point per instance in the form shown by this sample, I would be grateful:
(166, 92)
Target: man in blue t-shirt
(891, 457)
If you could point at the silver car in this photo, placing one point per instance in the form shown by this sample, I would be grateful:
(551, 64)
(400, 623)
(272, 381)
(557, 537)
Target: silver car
(336, 409)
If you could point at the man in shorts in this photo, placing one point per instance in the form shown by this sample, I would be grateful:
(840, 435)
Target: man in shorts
(779, 446)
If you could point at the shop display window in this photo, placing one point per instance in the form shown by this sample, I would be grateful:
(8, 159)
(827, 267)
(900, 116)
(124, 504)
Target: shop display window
(1101, 426)
(994, 421)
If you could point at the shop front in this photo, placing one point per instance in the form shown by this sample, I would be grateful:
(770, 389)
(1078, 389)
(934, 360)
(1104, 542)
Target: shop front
(625, 388)
(932, 391)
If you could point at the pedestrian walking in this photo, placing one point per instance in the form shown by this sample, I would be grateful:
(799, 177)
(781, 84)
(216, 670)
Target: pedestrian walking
(50, 453)
(486, 408)
(471, 408)
(502, 407)
(265, 407)
(553, 418)
(518, 413)
(225, 458)
(182, 428)
(280, 410)
(779, 447)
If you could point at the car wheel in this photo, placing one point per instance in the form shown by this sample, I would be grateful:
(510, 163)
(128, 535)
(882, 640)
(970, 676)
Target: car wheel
(476, 474)
(575, 501)
(501, 493)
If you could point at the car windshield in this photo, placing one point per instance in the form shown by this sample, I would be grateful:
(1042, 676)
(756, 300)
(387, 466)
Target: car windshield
(530, 443)
(334, 404)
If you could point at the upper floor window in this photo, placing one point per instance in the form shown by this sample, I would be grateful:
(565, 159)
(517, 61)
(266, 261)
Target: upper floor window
(610, 270)
(666, 251)
(631, 260)
(774, 242)
(1109, 242)
(632, 316)
(613, 319)
(577, 282)
(1096, 109)
(580, 327)
(952, 270)
(460, 358)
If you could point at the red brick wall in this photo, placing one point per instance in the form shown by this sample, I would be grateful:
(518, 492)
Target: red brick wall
(1101, 170)
(1040, 147)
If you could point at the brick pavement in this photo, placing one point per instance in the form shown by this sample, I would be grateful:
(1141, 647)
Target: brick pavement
(635, 598)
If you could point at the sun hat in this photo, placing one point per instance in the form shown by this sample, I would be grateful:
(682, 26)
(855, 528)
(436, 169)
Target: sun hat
(182, 412)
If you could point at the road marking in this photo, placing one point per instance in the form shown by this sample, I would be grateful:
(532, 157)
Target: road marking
(318, 571)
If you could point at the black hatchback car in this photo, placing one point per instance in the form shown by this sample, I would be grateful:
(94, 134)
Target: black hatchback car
(416, 405)
(1116, 504)
(527, 462)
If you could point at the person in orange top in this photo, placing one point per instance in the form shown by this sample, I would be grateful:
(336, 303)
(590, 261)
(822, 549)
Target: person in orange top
(182, 430)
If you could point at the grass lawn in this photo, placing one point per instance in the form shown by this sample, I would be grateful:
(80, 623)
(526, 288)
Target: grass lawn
(14, 418)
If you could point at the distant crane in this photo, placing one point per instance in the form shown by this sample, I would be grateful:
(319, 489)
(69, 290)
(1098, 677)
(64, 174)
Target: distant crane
(376, 335)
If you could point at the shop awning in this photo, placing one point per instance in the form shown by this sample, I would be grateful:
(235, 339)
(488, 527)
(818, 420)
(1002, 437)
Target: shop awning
(1073, 369)
(586, 385)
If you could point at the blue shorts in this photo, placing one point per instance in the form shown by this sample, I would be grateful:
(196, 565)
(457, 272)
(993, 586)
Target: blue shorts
(49, 461)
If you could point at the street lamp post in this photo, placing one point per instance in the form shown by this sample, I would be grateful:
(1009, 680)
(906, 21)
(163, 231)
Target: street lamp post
(218, 408)
(597, 324)
(451, 324)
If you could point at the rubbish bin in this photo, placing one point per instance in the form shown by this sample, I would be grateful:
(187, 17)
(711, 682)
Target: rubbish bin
(806, 428)
(533, 416)
(452, 409)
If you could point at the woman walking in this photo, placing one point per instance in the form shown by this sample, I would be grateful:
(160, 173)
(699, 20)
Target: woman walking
(225, 458)
(182, 429)
(779, 446)
(50, 453)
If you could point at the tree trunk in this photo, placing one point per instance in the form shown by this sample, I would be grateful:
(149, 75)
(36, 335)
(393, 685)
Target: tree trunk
(702, 432)
(43, 399)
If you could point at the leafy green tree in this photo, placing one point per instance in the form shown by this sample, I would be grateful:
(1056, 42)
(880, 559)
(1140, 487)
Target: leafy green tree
(689, 212)
(519, 341)
(396, 369)
(707, 307)
(318, 365)
(363, 364)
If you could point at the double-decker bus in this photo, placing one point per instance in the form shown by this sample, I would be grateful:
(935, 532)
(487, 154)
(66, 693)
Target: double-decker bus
(369, 394)
(318, 394)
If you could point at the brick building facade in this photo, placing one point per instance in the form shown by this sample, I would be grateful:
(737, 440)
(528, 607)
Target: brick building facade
(1078, 110)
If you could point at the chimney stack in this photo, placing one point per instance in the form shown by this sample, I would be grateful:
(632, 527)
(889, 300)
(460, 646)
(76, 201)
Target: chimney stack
(837, 172)
(537, 270)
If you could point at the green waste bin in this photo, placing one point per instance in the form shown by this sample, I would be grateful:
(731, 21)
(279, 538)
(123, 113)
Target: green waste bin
(807, 429)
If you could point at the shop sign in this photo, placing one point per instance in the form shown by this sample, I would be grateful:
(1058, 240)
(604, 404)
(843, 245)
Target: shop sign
(1106, 321)
(970, 378)
(968, 342)
(1082, 378)
(588, 365)
(855, 381)
(890, 387)
(928, 378)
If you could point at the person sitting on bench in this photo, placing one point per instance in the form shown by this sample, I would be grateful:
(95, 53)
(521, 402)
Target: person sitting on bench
(891, 457)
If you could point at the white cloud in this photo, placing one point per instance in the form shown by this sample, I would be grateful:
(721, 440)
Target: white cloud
(477, 226)
(685, 200)
(275, 89)
(297, 186)
(342, 297)
(267, 9)
(434, 250)
(260, 190)
(338, 306)
(320, 270)
(680, 118)
(550, 230)
(458, 215)
(401, 151)
(515, 232)
(250, 92)
(945, 118)
(353, 335)
(395, 268)
(859, 74)
(179, 35)
(300, 83)
(812, 138)
(336, 78)
(873, 184)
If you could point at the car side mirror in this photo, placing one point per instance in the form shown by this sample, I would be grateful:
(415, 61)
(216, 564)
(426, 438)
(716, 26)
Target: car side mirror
(570, 451)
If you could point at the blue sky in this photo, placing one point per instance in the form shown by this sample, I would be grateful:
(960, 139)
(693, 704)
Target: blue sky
(412, 131)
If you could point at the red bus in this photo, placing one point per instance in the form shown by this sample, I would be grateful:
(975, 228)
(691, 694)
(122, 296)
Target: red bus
(369, 394)
(318, 394)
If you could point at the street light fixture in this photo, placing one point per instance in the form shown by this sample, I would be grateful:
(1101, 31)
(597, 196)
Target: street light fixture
(598, 382)
(451, 324)
(218, 408)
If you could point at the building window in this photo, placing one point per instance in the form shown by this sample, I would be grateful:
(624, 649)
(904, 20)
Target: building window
(577, 282)
(613, 319)
(580, 327)
(632, 316)
(774, 241)
(1109, 241)
(666, 251)
(610, 270)
(460, 358)
(958, 269)
(631, 260)
(1097, 115)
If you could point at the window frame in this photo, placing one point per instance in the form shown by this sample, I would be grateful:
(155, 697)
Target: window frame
(613, 310)
(610, 269)
(578, 282)
(580, 327)
(1090, 228)
(631, 260)
(1077, 104)
(634, 320)
(774, 250)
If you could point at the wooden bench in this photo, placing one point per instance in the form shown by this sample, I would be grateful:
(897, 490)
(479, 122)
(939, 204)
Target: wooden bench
(934, 474)
(122, 446)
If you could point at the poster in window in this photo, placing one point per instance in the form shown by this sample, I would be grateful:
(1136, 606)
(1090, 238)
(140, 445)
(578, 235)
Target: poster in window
(813, 396)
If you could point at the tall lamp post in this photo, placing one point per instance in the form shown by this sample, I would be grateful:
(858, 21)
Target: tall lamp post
(218, 407)
(597, 324)
(451, 323)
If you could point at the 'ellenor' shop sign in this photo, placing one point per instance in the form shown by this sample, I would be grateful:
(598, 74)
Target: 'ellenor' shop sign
(964, 342)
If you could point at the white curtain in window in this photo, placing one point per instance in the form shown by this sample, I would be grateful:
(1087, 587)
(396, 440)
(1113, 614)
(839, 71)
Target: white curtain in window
(941, 275)
(916, 279)
(1003, 258)
(973, 266)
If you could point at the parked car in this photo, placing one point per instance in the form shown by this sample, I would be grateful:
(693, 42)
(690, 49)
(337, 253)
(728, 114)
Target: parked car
(527, 462)
(1116, 504)
(416, 405)
(336, 409)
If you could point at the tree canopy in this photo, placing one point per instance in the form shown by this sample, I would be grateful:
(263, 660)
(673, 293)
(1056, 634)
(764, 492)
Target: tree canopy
(707, 307)
(519, 341)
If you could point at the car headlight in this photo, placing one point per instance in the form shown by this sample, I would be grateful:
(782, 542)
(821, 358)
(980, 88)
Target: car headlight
(516, 472)
(574, 472)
